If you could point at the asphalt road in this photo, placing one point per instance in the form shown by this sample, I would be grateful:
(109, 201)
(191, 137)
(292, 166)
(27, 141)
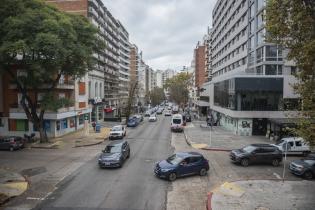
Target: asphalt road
(131, 187)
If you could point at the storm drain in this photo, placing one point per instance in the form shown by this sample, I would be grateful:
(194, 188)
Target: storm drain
(33, 171)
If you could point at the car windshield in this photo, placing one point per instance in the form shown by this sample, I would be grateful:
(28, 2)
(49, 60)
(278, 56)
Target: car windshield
(112, 149)
(249, 149)
(280, 142)
(174, 159)
(116, 129)
(176, 121)
(310, 162)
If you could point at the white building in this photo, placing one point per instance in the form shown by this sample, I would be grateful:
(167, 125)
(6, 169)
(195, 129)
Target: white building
(159, 78)
(250, 86)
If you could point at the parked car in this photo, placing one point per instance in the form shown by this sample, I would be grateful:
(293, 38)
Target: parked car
(257, 153)
(11, 143)
(182, 164)
(117, 132)
(132, 122)
(167, 113)
(175, 110)
(114, 154)
(304, 167)
(294, 145)
(153, 118)
(177, 123)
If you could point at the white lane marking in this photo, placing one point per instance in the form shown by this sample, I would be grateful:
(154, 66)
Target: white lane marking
(277, 175)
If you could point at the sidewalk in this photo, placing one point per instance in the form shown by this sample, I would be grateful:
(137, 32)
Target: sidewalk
(11, 185)
(198, 137)
(75, 139)
(263, 195)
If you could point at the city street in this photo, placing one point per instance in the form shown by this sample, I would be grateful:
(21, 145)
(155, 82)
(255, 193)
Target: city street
(131, 187)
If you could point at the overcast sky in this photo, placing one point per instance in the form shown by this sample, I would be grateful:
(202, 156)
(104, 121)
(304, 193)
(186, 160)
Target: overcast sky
(166, 31)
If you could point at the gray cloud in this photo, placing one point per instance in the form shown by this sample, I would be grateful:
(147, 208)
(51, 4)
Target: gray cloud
(166, 31)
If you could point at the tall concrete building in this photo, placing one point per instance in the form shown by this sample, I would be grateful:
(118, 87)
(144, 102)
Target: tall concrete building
(250, 86)
(124, 65)
(208, 55)
(159, 78)
(107, 81)
(134, 63)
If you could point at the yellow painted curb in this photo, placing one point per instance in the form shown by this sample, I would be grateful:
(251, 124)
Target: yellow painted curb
(13, 188)
(199, 146)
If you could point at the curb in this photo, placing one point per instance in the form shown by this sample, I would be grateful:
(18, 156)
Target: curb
(207, 148)
(209, 200)
(87, 145)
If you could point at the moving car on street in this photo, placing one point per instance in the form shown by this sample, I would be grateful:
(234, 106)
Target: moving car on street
(114, 154)
(304, 167)
(117, 132)
(182, 164)
(188, 117)
(11, 143)
(133, 122)
(159, 111)
(177, 123)
(153, 118)
(167, 113)
(257, 153)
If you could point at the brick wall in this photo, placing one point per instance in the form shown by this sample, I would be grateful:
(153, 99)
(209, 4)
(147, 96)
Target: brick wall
(200, 66)
(73, 6)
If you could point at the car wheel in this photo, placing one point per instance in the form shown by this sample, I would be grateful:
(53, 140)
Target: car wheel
(203, 172)
(128, 156)
(11, 149)
(244, 162)
(172, 177)
(275, 162)
(308, 175)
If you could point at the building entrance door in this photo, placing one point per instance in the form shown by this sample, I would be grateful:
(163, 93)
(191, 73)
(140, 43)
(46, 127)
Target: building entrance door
(259, 126)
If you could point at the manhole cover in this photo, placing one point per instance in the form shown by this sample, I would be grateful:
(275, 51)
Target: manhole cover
(33, 171)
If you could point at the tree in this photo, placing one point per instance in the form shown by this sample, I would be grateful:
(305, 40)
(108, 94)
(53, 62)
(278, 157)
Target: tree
(43, 44)
(131, 97)
(291, 24)
(157, 96)
(178, 88)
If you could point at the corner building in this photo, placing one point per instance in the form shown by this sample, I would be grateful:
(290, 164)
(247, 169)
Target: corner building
(250, 85)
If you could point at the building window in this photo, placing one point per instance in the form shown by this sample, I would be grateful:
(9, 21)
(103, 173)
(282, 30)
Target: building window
(260, 55)
(260, 20)
(72, 122)
(260, 37)
(1, 123)
(259, 70)
(293, 70)
(260, 4)
(81, 88)
(18, 125)
(252, 11)
(90, 89)
(58, 125)
(271, 53)
(64, 124)
(251, 58)
(96, 89)
(271, 70)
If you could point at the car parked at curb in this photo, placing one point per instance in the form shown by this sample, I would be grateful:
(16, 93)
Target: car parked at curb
(117, 132)
(114, 154)
(294, 145)
(304, 167)
(167, 113)
(182, 164)
(257, 153)
(177, 123)
(11, 143)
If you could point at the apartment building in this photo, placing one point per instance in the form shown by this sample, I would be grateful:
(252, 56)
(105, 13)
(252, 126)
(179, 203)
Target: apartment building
(124, 68)
(134, 63)
(208, 55)
(200, 67)
(13, 120)
(159, 78)
(250, 86)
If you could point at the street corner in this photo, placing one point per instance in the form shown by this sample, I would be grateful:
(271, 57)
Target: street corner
(199, 146)
(247, 194)
(102, 134)
(11, 185)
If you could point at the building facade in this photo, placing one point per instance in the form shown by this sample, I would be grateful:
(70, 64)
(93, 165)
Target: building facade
(250, 88)
(200, 67)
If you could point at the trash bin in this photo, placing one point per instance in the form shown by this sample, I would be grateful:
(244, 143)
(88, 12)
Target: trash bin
(97, 128)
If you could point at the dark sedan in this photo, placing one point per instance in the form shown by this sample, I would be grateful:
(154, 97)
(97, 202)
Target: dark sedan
(114, 155)
(182, 164)
(304, 167)
(11, 143)
(257, 153)
(133, 122)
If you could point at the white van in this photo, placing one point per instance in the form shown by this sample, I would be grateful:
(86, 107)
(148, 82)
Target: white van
(177, 123)
(294, 145)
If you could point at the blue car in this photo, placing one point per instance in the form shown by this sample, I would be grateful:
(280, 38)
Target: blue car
(182, 164)
(133, 122)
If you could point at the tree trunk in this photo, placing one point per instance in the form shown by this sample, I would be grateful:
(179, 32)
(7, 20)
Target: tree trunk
(42, 134)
